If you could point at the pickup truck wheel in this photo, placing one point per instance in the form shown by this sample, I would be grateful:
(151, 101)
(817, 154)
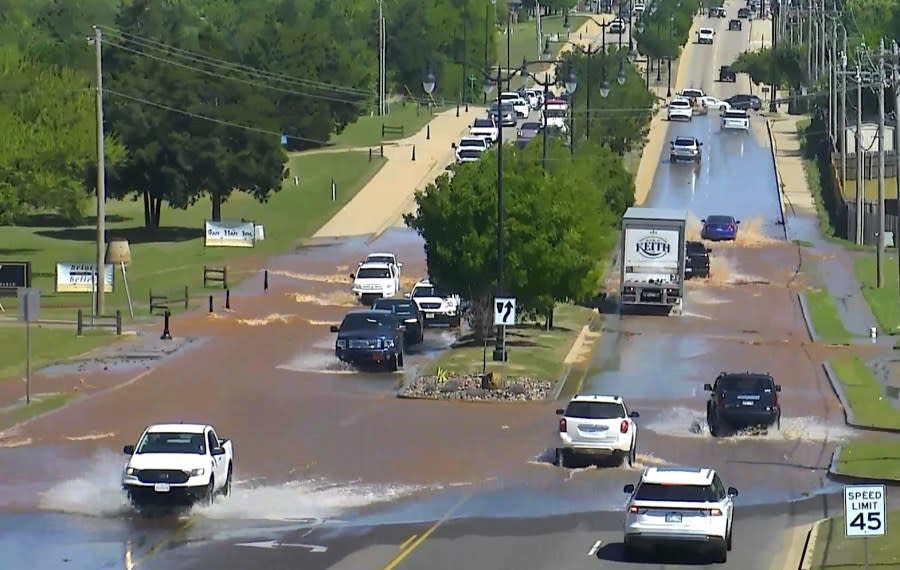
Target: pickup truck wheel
(226, 489)
(399, 360)
(210, 495)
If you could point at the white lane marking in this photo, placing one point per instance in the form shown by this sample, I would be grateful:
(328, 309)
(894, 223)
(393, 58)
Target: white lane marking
(595, 548)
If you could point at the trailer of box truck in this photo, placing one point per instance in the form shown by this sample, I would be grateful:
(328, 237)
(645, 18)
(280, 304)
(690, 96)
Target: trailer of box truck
(653, 257)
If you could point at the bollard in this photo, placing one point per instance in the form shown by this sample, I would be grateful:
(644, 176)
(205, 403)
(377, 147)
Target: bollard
(118, 322)
(382, 151)
(228, 299)
(166, 335)
(370, 155)
(427, 132)
(333, 191)
(266, 280)
(414, 152)
(79, 325)
(873, 332)
(467, 106)
(457, 109)
(211, 304)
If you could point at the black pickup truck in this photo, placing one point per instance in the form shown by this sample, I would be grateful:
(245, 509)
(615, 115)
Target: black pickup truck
(370, 338)
(697, 264)
(741, 400)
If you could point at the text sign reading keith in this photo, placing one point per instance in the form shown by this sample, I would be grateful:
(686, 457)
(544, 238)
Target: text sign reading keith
(653, 247)
(229, 234)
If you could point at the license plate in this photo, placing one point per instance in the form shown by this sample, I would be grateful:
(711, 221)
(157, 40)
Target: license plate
(748, 403)
(429, 315)
(162, 487)
(673, 518)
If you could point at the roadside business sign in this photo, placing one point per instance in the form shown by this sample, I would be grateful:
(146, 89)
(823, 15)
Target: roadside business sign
(864, 510)
(81, 277)
(14, 275)
(229, 233)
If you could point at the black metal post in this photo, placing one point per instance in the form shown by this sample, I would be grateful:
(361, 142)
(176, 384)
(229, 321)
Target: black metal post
(669, 78)
(776, 7)
(487, 19)
(266, 272)
(630, 25)
(572, 123)
(211, 309)
(546, 85)
(465, 72)
(228, 299)
(508, 37)
(587, 117)
(500, 344)
(166, 335)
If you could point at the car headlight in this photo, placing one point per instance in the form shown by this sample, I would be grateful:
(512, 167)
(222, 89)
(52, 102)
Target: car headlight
(196, 472)
(388, 343)
(341, 343)
(131, 472)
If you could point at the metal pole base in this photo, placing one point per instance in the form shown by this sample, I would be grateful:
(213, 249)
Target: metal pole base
(501, 355)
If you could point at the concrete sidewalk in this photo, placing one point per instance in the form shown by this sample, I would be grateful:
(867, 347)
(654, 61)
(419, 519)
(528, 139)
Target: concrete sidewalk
(391, 192)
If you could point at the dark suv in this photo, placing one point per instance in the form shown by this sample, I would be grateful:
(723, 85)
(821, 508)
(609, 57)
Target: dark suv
(745, 102)
(735, 25)
(370, 338)
(408, 313)
(727, 74)
(740, 400)
(697, 259)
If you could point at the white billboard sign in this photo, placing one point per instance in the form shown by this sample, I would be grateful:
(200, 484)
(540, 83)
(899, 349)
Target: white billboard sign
(229, 233)
(651, 254)
(81, 277)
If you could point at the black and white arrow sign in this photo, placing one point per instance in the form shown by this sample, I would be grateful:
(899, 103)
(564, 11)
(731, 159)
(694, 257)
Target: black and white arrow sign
(504, 311)
(276, 544)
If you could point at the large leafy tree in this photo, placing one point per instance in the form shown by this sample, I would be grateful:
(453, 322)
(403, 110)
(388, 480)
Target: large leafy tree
(49, 142)
(765, 66)
(559, 225)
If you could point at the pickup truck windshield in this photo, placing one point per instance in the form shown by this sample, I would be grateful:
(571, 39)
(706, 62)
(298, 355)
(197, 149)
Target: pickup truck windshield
(676, 493)
(360, 321)
(373, 273)
(380, 259)
(483, 123)
(164, 442)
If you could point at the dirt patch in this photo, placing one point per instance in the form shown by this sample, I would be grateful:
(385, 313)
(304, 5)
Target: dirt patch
(333, 299)
(267, 320)
(468, 388)
(317, 277)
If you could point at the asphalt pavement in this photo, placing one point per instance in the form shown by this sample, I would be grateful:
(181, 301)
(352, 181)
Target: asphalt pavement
(336, 473)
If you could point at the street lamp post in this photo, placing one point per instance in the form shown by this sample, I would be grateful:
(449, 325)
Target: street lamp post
(630, 25)
(669, 59)
(571, 85)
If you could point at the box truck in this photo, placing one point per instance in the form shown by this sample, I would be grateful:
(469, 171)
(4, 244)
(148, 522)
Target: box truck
(653, 256)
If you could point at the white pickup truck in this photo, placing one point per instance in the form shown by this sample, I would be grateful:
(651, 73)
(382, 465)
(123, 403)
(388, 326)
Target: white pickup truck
(178, 464)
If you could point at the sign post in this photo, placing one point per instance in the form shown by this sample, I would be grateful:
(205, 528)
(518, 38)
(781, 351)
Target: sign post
(29, 310)
(504, 316)
(865, 514)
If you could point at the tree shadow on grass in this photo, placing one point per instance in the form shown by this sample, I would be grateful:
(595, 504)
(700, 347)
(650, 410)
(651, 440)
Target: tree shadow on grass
(133, 235)
(56, 221)
(16, 251)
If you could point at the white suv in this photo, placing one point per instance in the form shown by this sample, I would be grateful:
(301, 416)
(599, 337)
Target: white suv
(680, 108)
(436, 307)
(375, 281)
(679, 506)
(705, 35)
(596, 425)
(736, 119)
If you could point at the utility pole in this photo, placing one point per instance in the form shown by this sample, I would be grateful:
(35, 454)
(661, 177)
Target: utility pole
(381, 65)
(881, 89)
(860, 161)
(100, 271)
(832, 85)
(821, 37)
(832, 135)
(896, 52)
(843, 134)
(776, 9)
(809, 42)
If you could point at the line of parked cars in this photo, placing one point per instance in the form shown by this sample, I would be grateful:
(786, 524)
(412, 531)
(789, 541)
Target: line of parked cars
(377, 336)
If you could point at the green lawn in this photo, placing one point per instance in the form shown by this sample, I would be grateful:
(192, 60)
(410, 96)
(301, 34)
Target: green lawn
(523, 41)
(48, 345)
(40, 404)
(877, 460)
(532, 350)
(825, 318)
(173, 256)
(870, 189)
(869, 404)
(366, 131)
(834, 551)
(884, 301)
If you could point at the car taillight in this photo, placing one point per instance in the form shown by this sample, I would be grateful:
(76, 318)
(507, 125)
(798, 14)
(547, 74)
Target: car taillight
(730, 227)
(715, 512)
(563, 428)
(623, 427)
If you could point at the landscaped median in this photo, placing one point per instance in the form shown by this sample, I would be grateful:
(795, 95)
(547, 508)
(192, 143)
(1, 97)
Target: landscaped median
(538, 359)
(823, 314)
(834, 551)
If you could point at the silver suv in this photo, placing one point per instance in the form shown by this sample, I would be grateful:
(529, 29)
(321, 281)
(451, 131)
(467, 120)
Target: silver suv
(685, 149)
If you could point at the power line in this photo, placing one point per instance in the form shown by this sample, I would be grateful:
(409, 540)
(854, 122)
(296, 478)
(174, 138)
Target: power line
(170, 50)
(237, 79)
(143, 101)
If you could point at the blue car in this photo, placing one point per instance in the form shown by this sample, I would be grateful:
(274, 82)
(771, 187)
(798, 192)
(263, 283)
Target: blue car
(720, 228)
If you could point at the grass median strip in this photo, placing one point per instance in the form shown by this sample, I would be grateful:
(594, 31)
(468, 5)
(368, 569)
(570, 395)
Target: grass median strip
(872, 459)
(533, 351)
(834, 551)
(366, 131)
(48, 346)
(824, 316)
(869, 404)
(40, 404)
(883, 301)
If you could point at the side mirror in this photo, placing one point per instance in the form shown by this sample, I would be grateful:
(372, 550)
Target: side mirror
(778, 387)
(217, 451)
(709, 250)
(335, 328)
(453, 145)
(560, 411)
(407, 295)
(352, 276)
(732, 492)
(703, 221)
(399, 265)
(701, 144)
(737, 221)
(128, 450)
(707, 387)
(629, 488)
(634, 415)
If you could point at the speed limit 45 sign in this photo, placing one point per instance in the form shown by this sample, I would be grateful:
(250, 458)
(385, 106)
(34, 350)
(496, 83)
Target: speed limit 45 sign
(864, 510)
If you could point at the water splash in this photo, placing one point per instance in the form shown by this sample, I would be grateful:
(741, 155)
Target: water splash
(333, 299)
(685, 422)
(96, 493)
(267, 320)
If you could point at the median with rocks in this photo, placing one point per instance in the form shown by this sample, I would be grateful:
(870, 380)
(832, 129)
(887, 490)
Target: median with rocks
(489, 387)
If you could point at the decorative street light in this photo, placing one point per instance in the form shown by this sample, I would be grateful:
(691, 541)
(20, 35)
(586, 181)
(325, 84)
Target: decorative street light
(571, 86)
(669, 59)
(428, 82)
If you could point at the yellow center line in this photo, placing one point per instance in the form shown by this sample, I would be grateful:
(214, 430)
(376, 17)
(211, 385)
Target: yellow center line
(406, 542)
(412, 542)
(153, 550)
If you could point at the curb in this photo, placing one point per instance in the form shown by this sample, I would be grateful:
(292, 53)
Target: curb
(809, 547)
(807, 320)
(851, 479)
(778, 183)
(849, 418)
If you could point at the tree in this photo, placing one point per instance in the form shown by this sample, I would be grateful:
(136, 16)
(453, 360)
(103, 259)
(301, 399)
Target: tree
(559, 226)
(49, 143)
(781, 67)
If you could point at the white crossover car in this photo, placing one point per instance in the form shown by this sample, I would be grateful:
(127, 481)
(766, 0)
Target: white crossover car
(705, 35)
(735, 119)
(680, 109)
(519, 103)
(596, 425)
(672, 506)
(375, 281)
(436, 307)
